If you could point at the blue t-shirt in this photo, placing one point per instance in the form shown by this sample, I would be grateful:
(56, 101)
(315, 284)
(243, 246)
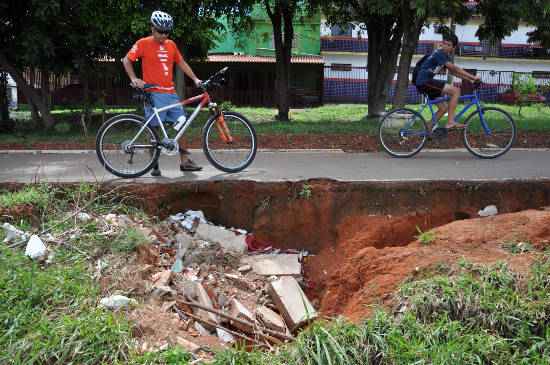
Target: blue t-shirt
(431, 66)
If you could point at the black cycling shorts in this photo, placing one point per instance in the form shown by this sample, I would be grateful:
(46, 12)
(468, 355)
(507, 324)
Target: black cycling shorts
(432, 88)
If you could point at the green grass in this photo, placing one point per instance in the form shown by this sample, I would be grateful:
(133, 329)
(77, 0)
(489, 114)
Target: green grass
(327, 119)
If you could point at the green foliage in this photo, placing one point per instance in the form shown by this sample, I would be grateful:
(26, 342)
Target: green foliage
(305, 192)
(128, 240)
(36, 195)
(518, 247)
(49, 315)
(170, 356)
(425, 238)
(524, 84)
(62, 128)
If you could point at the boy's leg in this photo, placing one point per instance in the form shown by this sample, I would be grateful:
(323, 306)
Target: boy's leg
(454, 93)
(441, 110)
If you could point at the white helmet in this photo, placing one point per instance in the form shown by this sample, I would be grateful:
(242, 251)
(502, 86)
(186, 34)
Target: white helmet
(162, 21)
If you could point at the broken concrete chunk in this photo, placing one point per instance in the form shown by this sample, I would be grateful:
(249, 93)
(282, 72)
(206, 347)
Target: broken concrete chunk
(244, 268)
(238, 310)
(84, 217)
(228, 240)
(163, 292)
(35, 248)
(291, 302)
(187, 345)
(240, 282)
(225, 336)
(268, 265)
(162, 278)
(488, 211)
(13, 234)
(204, 300)
(115, 302)
(202, 329)
(270, 319)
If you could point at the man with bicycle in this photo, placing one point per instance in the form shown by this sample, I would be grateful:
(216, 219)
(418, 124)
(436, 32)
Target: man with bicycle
(436, 63)
(158, 55)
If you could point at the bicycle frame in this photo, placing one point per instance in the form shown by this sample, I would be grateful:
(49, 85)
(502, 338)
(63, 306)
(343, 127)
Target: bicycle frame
(473, 100)
(204, 100)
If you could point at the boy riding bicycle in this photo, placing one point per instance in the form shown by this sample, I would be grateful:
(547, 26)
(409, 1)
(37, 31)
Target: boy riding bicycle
(158, 55)
(436, 63)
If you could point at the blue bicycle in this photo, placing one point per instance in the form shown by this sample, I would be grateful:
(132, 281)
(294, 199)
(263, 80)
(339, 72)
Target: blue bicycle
(488, 133)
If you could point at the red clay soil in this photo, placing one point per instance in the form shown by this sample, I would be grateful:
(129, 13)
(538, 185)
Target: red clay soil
(346, 142)
(372, 257)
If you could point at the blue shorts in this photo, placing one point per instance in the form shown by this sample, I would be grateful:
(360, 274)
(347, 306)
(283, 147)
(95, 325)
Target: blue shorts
(160, 100)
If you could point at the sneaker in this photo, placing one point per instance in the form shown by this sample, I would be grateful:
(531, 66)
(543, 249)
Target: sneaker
(190, 165)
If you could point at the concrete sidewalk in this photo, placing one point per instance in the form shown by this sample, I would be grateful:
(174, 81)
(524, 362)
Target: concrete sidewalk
(76, 166)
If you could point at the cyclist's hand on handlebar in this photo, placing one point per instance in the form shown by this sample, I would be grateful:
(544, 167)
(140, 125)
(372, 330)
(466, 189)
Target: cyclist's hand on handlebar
(198, 82)
(138, 83)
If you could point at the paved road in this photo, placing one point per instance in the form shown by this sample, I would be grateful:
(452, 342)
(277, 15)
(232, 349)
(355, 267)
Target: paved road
(75, 166)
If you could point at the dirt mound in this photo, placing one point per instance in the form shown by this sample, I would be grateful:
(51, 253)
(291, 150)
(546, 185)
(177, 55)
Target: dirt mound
(374, 255)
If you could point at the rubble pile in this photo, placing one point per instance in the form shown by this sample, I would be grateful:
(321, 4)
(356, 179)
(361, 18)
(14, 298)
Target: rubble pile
(214, 287)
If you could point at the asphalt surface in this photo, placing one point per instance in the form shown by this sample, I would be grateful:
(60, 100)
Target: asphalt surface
(272, 166)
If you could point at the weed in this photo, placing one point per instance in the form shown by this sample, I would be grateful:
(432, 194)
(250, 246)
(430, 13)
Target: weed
(518, 247)
(127, 240)
(37, 195)
(425, 238)
(306, 191)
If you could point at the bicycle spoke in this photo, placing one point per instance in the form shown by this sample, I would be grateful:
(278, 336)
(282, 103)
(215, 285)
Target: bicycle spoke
(117, 152)
(230, 144)
(492, 138)
(402, 132)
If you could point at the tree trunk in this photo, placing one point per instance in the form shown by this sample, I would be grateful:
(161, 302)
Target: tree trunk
(31, 95)
(4, 102)
(385, 33)
(282, 15)
(412, 26)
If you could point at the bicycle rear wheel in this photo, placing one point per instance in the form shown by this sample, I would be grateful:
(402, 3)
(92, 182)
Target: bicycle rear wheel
(403, 132)
(230, 144)
(118, 154)
(490, 139)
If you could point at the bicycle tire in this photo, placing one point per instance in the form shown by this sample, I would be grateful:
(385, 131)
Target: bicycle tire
(499, 143)
(110, 145)
(244, 143)
(392, 134)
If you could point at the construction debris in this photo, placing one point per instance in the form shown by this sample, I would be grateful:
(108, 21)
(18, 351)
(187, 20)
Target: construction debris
(200, 281)
(278, 264)
(36, 249)
(14, 234)
(291, 302)
(115, 302)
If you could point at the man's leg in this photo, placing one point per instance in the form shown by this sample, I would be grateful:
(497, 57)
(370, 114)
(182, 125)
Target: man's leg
(186, 163)
(454, 93)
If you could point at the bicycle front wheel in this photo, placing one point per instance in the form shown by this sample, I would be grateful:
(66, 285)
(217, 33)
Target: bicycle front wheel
(127, 148)
(491, 136)
(229, 143)
(403, 132)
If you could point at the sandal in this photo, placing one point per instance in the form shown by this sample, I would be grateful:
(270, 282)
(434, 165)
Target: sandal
(190, 165)
(455, 126)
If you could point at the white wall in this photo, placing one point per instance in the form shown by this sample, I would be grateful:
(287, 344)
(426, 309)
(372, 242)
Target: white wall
(465, 33)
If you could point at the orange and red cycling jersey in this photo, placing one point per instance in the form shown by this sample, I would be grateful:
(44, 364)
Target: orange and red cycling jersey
(157, 62)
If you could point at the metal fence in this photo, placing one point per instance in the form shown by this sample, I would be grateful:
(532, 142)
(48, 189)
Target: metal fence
(351, 86)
